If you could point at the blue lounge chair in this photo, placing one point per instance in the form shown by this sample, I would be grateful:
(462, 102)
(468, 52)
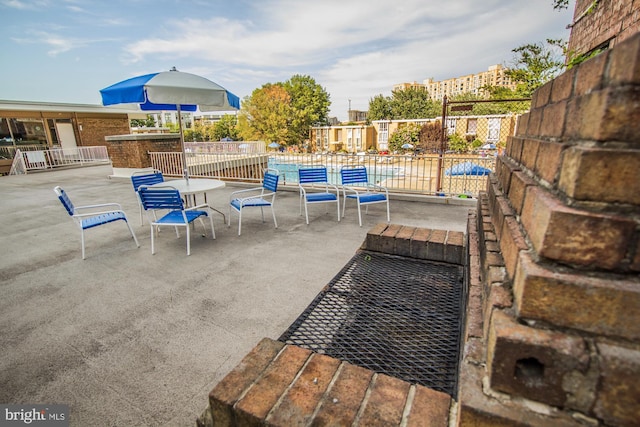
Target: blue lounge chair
(90, 216)
(259, 197)
(167, 198)
(356, 186)
(315, 188)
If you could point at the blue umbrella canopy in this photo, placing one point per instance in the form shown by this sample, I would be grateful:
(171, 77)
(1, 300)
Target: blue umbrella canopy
(171, 90)
(467, 168)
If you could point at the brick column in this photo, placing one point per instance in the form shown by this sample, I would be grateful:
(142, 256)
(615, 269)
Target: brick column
(558, 243)
(132, 151)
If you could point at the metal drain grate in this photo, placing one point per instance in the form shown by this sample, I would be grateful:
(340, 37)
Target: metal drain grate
(392, 315)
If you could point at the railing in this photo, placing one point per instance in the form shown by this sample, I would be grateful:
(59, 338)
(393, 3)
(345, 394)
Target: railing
(400, 173)
(9, 151)
(228, 147)
(58, 157)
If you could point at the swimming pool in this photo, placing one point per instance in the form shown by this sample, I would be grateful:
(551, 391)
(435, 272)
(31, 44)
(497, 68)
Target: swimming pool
(289, 172)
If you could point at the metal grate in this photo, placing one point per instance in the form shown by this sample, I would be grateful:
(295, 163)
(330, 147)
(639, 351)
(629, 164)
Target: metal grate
(392, 315)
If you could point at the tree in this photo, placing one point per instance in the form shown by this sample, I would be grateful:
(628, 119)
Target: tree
(408, 134)
(430, 136)
(268, 111)
(535, 64)
(411, 103)
(379, 108)
(226, 128)
(284, 112)
(310, 105)
(149, 122)
(560, 4)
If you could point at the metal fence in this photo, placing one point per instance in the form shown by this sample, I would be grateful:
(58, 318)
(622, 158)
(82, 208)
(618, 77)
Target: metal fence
(25, 161)
(460, 176)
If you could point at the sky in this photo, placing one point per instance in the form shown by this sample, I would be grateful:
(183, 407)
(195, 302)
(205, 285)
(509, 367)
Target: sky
(67, 50)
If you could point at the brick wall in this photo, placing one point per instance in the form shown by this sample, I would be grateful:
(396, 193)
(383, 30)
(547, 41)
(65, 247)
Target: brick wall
(132, 151)
(597, 22)
(95, 128)
(553, 334)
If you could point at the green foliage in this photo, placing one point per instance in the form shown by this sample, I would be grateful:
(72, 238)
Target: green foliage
(379, 108)
(573, 59)
(535, 64)
(560, 4)
(458, 143)
(412, 103)
(407, 134)
(284, 112)
(225, 128)
(268, 112)
(476, 143)
(149, 122)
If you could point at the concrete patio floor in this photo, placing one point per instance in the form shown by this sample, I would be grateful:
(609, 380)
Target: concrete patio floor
(126, 338)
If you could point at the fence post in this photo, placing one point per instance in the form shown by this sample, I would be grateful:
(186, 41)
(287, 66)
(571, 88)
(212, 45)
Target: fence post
(443, 139)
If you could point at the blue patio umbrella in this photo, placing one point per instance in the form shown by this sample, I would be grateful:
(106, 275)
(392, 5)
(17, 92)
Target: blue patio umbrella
(274, 145)
(171, 90)
(467, 168)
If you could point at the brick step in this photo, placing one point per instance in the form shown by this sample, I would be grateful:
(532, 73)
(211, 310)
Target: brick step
(283, 385)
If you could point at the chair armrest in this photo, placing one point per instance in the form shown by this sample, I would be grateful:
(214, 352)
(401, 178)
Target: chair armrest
(193, 208)
(81, 215)
(102, 205)
(231, 196)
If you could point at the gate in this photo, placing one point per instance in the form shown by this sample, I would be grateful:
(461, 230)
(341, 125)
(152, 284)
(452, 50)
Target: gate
(478, 126)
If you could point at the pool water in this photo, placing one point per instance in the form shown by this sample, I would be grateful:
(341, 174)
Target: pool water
(289, 172)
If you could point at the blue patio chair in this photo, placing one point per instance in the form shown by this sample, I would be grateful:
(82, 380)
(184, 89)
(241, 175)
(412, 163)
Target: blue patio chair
(259, 197)
(315, 188)
(145, 178)
(167, 198)
(90, 216)
(356, 186)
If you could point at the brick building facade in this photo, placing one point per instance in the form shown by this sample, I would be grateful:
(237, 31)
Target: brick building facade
(602, 24)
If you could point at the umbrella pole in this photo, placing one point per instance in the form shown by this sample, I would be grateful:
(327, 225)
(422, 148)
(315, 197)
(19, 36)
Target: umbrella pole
(185, 171)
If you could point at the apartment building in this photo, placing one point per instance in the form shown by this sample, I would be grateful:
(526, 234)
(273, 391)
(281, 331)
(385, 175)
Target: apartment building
(471, 83)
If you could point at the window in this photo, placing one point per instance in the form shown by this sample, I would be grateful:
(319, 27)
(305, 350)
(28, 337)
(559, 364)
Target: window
(451, 126)
(472, 126)
(349, 139)
(358, 139)
(383, 136)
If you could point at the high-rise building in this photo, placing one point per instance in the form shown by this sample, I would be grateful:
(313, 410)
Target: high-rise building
(471, 83)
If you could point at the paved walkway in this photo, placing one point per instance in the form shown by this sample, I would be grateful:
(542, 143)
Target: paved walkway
(126, 338)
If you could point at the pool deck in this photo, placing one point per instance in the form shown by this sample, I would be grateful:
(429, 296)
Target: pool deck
(126, 338)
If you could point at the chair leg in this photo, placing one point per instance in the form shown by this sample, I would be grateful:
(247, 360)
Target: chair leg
(153, 247)
(388, 214)
(274, 217)
(132, 233)
(188, 239)
(213, 232)
(338, 207)
(82, 241)
(344, 204)
(239, 221)
(359, 213)
(306, 212)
